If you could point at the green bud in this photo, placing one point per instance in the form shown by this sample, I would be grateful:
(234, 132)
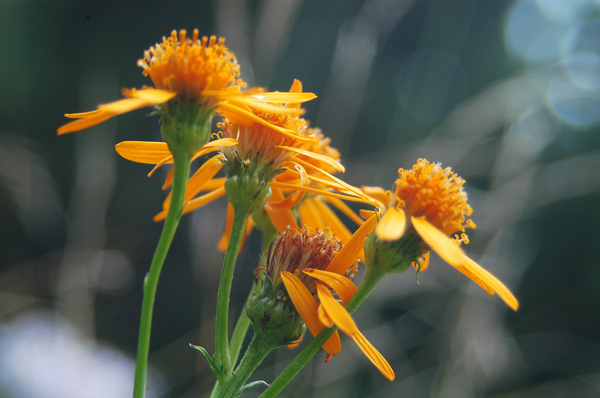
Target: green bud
(274, 317)
(186, 126)
(247, 185)
(388, 257)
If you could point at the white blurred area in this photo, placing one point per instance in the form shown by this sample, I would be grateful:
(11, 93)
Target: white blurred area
(560, 39)
(43, 356)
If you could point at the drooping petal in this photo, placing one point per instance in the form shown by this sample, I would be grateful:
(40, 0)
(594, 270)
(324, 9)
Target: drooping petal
(447, 249)
(307, 308)
(374, 356)
(343, 286)
(444, 246)
(493, 282)
(348, 254)
(392, 225)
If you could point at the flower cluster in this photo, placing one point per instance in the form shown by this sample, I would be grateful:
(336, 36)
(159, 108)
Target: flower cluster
(282, 177)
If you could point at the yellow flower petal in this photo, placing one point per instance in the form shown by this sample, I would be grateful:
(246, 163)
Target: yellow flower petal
(281, 220)
(348, 254)
(345, 209)
(153, 96)
(455, 256)
(224, 241)
(332, 220)
(307, 308)
(284, 204)
(343, 286)
(81, 124)
(143, 151)
(197, 181)
(317, 191)
(324, 317)
(244, 117)
(195, 203)
(323, 158)
(309, 215)
(139, 99)
(444, 246)
(378, 194)
(493, 282)
(392, 225)
(374, 356)
(338, 314)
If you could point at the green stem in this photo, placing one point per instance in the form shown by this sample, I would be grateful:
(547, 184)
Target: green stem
(257, 351)
(367, 285)
(243, 322)
(239, 332)
(180, 177)
(222, 354)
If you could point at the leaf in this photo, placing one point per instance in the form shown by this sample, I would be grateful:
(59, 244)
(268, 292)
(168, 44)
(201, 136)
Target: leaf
(211, 362)
(254, 384)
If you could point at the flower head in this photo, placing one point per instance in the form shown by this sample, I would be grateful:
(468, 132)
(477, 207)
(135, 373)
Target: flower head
(300, 260)
(201, 72)
(427, 205)
(198, 70)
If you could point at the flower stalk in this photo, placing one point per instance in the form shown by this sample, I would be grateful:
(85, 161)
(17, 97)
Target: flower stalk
(180, 177)
(247, 192)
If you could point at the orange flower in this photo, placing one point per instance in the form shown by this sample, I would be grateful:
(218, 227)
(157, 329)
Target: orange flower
(301, 259)
(198, 71)
(294, 158)
(429, 202)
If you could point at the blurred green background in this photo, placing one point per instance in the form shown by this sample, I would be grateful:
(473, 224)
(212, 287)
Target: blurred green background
(507, 93)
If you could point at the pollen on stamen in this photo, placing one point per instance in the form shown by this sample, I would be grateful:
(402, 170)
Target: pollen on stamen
(427, 189)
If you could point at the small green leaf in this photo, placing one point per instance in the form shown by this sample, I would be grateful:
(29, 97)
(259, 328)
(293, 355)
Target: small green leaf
(211, 362)
(254, 384)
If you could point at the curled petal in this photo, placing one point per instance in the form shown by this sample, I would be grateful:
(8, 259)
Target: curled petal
(282, 219)
(343, 286)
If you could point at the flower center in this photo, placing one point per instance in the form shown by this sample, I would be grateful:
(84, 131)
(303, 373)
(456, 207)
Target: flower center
(262, 141)
(190, 66)
(436, 193)
(297, 249)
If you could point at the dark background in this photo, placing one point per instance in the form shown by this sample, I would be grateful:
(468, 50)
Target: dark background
(507, 93)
